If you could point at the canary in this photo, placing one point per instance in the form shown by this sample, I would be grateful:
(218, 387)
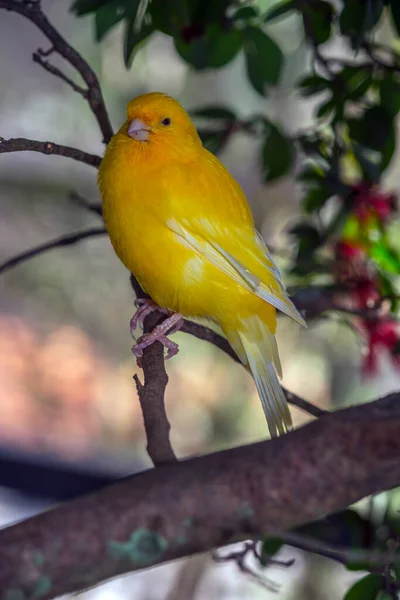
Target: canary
(182, 225)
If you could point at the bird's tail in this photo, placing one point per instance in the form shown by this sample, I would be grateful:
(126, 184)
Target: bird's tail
(257, 349)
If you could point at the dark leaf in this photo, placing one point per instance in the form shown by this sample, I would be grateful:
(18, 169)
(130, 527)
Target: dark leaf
(326, 108)
(108, 16)
(357, 81)
(395, 11)
(313, 84)
(264, 58)
(278, 154)
(214, 49)
(366, 588)
(369, 162)
(133, 38)
(215, 112)
(279, 10)
(358, 18)
(388, 150)
(83, 7)
(317, 19)
(315, 198)
(270, 547)
(170, 17)
(245, 13)
(308, 238)
(373, 129)
(213, 140)
(389, 89)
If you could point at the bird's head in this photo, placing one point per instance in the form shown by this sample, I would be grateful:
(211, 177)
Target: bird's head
(158, 119)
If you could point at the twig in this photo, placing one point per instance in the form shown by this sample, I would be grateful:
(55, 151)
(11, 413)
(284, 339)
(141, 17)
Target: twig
(81, 201)
(207, 334)
(239, 557)
(203, 503)
(342, 555)
(60, 242)
(152, 392)
(32, 11)
(47, 66)
(23, 144)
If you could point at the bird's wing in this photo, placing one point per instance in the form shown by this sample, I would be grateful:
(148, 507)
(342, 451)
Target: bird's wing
(211, 247)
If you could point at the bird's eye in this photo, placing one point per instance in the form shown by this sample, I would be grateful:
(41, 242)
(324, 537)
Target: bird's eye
(166, 121)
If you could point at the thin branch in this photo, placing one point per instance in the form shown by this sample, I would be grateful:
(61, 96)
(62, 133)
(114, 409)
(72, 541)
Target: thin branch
(203, 503)
(25, 145)
(239, 557)
(342, 555)
(205, 333)
(152, 392)
(47, 66)
(60, 242)
(32, 11)
(81, 201)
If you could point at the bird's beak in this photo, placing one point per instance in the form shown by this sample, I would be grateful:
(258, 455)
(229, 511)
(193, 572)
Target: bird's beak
(138, 130)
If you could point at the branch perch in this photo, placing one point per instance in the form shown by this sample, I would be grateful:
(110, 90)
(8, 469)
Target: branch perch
(203, 503)
(25, 145)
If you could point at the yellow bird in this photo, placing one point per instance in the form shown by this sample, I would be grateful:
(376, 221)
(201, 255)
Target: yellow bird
(182, 225)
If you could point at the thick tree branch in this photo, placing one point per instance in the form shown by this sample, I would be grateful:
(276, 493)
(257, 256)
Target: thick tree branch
(203, 503)
(23, 144)
(60, 242)
(32, 11)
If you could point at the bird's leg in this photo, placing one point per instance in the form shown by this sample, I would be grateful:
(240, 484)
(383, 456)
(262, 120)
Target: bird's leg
(159, 334)
(145, 306)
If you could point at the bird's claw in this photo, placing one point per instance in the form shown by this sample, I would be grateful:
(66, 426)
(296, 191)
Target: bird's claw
(159, 334)
(145, 306)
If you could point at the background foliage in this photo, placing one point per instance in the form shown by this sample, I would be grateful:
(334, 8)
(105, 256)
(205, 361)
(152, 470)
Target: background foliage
(344, 242)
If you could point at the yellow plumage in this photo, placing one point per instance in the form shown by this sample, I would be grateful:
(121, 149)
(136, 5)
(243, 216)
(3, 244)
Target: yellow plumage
(182, 225)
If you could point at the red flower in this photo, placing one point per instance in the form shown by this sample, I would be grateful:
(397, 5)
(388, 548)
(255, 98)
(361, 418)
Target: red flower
(381, 334)
(349, 250)
(371, 202)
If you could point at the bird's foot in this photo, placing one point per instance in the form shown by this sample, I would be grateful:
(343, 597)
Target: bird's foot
(145, 306)
(159, 334)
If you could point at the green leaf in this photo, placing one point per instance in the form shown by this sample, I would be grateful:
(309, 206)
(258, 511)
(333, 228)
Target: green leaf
(215, 112)
(214, 49)
(313, 84)
(270, 547)
(317, 19)
(385, 257)
(308, 238)
(315, 198)
(326, 108)
(213, 140)
(388, 150)
(84, 7)
(358, 18)
(133, 38)
(369, 161)
(245, 13)
(389, 89)
(264, 58)
(366, 588)
(278, 154)
(356, 79)
(395, 12)
(107, 17)
(279, 10)
(373, 129)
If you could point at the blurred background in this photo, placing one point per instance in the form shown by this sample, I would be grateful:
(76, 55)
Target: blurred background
(69, 415)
